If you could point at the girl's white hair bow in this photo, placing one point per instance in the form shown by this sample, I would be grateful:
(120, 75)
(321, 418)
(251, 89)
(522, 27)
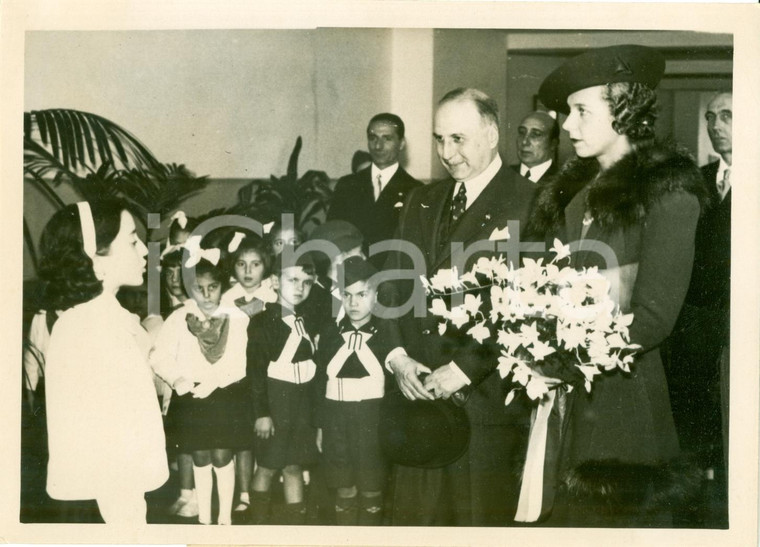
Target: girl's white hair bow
(181, 219)
(193, 246)
(235, 243)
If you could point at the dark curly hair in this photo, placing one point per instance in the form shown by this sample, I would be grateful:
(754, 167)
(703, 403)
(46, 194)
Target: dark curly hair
(634, 109)
(253, 243)
(65, 269)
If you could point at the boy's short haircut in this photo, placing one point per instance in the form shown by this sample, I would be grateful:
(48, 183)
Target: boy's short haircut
(304, 262)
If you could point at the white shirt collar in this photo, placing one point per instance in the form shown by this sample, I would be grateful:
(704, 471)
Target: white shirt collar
(386, 174)
(477, 184)
(537, 171)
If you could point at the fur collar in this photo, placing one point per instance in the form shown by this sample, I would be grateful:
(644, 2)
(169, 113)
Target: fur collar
(623, 194)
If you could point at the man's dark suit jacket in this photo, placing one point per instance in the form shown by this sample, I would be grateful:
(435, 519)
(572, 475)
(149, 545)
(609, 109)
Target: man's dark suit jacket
(498, 432)
(354, 201)
(546, 176)
(702, 330)
(710, 278)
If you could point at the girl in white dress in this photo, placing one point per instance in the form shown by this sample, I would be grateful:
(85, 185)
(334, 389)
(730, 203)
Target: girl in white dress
(106, 437)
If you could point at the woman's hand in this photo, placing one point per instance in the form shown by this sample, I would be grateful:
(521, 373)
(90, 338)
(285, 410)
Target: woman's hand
(182, 386)
(319, 439)
(264, 427)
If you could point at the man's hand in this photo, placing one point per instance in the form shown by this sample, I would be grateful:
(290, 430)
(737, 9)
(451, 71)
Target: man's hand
(406, 370)
(264, 427)
(444, 381)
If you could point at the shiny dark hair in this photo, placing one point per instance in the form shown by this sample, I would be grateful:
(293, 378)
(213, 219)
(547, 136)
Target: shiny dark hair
(486, 106)
(251, 243)
(390, 119)
(65, 269)
(276, 231)
(217, 272)
(634, 109)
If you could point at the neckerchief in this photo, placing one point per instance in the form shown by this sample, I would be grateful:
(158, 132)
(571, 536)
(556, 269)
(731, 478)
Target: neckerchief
(211, 334)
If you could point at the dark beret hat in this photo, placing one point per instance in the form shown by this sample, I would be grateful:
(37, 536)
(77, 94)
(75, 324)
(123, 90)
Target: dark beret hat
(342, 233)
(607, 65)
(356, 269)
(425, 434)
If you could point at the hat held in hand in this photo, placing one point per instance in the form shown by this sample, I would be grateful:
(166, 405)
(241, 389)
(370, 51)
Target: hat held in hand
(421, 433)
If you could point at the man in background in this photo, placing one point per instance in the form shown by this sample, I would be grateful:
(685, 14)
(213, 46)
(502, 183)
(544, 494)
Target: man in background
(371, 199)
(536, 145)
(698, 348)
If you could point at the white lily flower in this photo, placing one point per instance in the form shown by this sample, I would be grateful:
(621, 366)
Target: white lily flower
(479, 332)
(561, 251)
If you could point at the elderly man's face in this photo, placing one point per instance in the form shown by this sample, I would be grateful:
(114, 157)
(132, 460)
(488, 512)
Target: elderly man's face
(384, 144)
(465, 142)
(534, 142)
(719, 116)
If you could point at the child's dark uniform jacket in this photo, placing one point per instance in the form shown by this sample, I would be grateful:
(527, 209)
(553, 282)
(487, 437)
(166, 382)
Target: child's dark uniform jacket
(281, 369)
(349, 388)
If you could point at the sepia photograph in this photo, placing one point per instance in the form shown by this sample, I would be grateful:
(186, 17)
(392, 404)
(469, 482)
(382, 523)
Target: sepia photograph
(380, 273)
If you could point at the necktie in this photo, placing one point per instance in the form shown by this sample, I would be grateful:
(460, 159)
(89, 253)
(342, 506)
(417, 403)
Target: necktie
(724, 184)
(458, 204)
(379, 186)
(527, 174)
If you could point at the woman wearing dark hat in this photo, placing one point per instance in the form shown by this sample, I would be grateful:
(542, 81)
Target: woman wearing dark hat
(632, 204)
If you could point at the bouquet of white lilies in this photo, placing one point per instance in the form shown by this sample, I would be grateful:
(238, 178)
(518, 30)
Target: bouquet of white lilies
(553, 325)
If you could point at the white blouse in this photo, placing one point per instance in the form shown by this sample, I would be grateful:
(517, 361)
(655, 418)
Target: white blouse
(177, 354)
(104, 423)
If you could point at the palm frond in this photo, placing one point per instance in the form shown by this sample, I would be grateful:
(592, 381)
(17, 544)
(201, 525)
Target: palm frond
(81, 141)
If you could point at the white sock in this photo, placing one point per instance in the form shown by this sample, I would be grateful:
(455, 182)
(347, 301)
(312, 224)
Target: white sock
(245, 497)
(203, 484)
(225, 484)
(185, 493)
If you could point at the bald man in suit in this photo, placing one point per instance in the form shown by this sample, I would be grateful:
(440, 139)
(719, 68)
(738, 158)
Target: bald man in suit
(482, 194)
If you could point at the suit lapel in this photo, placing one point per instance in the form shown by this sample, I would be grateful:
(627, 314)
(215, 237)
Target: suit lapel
(432, 210)
(392, 193)
(366, 193)
(480, 219)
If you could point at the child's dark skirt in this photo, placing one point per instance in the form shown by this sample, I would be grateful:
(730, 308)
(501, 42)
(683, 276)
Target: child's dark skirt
(221, 420)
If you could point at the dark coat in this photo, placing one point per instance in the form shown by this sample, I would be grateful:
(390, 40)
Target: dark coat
(353, 201)
(484, 479)
(645, 208)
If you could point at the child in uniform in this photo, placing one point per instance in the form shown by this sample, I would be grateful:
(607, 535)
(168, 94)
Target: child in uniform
(351, 384)
(281, 367)
(200, 352)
